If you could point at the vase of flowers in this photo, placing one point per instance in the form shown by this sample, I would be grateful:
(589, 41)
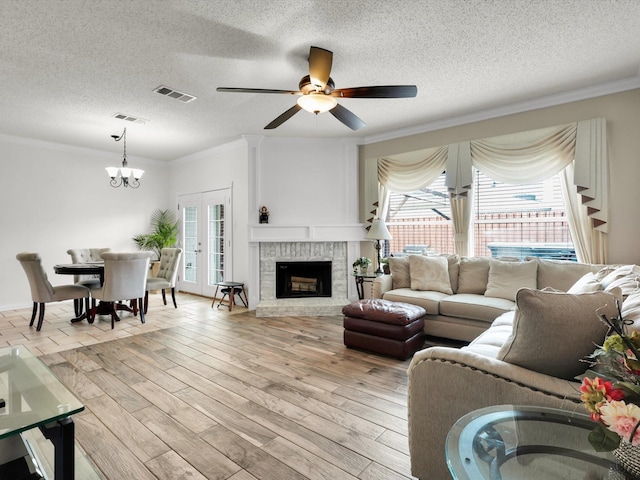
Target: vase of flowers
(611, 393)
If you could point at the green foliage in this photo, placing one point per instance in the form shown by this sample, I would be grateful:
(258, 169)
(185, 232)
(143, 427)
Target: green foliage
(603, 439)
(362, 262)
(164, 232)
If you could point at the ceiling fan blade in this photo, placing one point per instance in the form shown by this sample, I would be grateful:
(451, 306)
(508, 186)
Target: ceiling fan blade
(320, 61)
(382, 91)
(255, 90)
(284, 117)
(347, 117)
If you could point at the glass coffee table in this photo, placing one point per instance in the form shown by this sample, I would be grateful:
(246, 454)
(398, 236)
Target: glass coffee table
(34, 397)
(520, 442)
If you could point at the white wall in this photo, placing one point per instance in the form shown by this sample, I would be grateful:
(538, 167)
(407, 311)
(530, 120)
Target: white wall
(307, 181)
(301, 181)
(214, 169)
(55, 197)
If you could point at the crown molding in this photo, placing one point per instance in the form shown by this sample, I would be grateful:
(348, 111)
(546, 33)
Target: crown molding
(519, 107)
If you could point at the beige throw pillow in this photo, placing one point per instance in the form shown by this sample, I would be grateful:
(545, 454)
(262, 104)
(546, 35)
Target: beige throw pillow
(429, 274)
(474, 275)
(554, 331)
(399, 268)
(506, 278)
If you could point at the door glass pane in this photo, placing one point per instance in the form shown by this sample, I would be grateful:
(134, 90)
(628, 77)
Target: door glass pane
(190, 225)
(216, 244)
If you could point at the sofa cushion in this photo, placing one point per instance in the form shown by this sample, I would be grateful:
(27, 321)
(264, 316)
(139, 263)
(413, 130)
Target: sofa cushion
(474, 275)
(429, 273)
(625, 277)
(631, 311)
(399, 268)
(554, 331)
(588, 283)
(428, 300)
(561, 274)
(475, 307)
(506, 278)
(489, 342)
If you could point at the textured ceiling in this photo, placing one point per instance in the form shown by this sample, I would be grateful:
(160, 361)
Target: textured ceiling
(67, 66)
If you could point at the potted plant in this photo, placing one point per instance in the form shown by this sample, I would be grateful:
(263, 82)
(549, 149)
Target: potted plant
(361, 265)
(384, 263)
(164, 232)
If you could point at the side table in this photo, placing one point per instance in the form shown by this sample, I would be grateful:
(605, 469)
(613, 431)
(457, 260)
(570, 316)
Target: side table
(231, 289)
(360, 278)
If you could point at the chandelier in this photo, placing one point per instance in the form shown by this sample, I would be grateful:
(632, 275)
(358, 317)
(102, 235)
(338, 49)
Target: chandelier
(124, 176)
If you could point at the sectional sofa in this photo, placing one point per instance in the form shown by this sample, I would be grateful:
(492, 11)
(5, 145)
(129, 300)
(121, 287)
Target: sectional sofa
(463, 296)
(529, 355)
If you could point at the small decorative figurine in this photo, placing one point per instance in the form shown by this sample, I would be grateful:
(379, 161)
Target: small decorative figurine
(264, 215)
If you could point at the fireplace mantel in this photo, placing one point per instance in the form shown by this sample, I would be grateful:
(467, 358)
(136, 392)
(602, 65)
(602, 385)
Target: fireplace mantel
(306, 233)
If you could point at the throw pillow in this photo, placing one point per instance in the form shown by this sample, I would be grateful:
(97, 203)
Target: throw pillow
(399, 268)
(626, 278)
(554, 331)
(429, 273)
(619, 273)
(589, 282)
(630, 310)
(506, 278)
(474, 275)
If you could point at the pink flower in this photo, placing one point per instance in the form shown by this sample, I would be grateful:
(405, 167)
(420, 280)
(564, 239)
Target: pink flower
(621, 418)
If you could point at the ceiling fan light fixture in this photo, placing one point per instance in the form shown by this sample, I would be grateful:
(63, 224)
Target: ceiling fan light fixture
(317, 102)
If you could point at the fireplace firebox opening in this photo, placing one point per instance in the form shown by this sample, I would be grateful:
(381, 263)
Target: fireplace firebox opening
(303, 279)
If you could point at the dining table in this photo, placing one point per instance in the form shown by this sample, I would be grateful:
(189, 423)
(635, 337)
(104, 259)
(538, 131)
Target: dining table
(90, 268)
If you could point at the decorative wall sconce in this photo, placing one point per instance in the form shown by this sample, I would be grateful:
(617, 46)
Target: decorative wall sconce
(124, 176)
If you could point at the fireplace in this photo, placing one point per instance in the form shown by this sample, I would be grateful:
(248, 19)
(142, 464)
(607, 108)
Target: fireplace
(333, 253)
(303, 279)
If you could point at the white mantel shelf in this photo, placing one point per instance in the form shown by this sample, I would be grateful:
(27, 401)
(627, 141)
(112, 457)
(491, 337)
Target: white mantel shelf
(267, 232)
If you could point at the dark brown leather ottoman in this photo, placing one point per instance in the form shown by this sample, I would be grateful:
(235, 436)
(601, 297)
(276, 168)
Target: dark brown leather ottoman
(381, 326)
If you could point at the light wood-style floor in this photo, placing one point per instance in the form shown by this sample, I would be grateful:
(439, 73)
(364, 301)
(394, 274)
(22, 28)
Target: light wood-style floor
(201, 393)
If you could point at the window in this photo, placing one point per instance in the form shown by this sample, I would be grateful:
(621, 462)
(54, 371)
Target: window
(508, 220)
(520, 220)
(420, 221)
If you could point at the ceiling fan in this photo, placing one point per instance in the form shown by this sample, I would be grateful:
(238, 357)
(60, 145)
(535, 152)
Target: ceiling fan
(318, 94)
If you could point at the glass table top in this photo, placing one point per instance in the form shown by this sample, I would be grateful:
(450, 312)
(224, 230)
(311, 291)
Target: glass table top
(32, 393)
(521, 442)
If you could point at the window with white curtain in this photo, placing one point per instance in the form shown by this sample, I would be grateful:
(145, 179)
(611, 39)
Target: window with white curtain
(508, 220)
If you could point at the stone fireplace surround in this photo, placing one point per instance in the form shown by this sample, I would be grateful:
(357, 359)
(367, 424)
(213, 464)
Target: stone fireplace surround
(340, 245)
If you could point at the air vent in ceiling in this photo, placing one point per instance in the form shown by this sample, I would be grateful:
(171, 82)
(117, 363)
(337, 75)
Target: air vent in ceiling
(129, 118)
(170, 92)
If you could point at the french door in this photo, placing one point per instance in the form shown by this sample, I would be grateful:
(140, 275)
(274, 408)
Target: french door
(206, 240)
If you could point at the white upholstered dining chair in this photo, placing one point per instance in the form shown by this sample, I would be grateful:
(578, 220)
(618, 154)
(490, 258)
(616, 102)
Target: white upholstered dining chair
(166, 277)
(125, 278)
(43, 292)
(87, 255)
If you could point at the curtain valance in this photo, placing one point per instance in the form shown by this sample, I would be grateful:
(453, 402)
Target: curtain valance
(411, 171)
